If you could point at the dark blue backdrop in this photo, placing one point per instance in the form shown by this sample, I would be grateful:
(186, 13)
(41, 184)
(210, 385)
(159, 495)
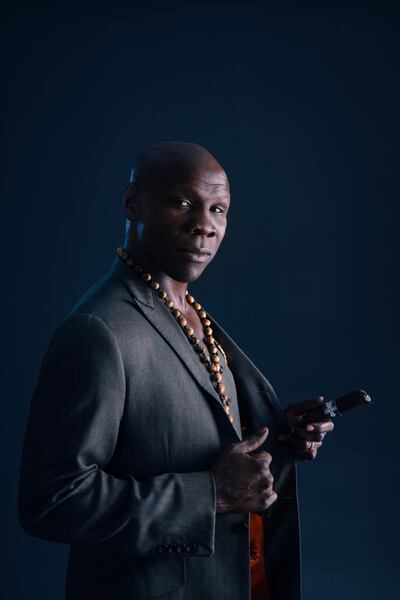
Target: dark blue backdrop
(300, 103)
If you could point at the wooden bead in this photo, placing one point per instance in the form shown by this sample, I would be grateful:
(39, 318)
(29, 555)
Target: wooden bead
(210, 358)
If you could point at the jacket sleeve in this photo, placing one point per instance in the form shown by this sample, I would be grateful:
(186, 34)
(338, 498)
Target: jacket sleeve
(65, 492)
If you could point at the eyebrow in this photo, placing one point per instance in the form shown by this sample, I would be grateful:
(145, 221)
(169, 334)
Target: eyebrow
(214, 199)
(214, 189)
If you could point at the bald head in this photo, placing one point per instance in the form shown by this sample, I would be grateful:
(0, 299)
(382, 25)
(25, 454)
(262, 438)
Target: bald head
(172, 161)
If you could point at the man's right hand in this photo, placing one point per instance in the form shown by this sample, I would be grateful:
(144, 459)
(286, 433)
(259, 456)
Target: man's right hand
(242, 476)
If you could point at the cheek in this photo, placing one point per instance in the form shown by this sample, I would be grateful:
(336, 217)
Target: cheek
(221, 234)
(157, 233)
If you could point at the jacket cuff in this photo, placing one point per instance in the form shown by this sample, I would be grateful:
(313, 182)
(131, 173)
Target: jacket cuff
(194, 531)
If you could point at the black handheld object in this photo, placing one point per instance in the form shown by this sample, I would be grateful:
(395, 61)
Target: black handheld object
(340, 406)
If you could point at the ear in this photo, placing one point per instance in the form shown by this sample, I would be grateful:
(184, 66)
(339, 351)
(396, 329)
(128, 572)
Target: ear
(131, 197)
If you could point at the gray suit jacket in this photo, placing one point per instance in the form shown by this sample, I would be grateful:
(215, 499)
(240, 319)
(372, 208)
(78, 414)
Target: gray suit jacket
(123, 428)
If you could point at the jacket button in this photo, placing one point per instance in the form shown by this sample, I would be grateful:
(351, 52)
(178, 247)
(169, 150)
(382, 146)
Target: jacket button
(240, 527)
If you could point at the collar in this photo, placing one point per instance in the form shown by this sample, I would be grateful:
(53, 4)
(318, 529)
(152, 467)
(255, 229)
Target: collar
(133, 282)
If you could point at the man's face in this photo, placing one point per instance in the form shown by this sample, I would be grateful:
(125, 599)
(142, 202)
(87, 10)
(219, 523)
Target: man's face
(182, 220)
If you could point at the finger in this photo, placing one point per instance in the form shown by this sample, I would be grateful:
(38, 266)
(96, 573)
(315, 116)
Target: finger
(322, 426)
(252, 442)
(313, 436)
(307, 455)
(265, 483)
(261, 456)
(310, 419)
(301, 444)
(268, 500)
(293, 419)
(302, 407)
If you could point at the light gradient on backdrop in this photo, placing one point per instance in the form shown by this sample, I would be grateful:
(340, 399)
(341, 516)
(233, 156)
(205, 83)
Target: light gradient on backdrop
(299, 102)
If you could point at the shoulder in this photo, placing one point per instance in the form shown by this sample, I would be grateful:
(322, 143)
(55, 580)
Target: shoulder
(107, 304)
(81, 338)
(105, 316)
(105, 298)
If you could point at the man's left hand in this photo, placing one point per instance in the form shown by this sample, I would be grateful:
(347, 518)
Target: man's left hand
(305, 438)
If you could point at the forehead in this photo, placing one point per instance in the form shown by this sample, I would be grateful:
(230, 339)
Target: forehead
(199, 186)
(202, 183)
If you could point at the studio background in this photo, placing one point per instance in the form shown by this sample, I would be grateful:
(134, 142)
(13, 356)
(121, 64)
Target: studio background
(300, 103)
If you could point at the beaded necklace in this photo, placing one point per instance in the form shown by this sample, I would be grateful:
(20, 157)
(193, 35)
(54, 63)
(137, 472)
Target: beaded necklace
(211, 359)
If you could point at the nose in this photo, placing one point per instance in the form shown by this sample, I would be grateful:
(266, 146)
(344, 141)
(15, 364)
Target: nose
(201, 224)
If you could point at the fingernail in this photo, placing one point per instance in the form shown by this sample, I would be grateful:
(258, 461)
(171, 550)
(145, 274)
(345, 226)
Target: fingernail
(310, 427)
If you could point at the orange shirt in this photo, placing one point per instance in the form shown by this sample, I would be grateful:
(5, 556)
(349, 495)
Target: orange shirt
(259, 583)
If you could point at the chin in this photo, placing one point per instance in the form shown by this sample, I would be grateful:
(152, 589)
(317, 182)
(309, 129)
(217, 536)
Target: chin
(187, 273)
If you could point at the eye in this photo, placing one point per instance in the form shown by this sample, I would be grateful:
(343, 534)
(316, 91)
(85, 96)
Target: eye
(218, 209)
(181, 202)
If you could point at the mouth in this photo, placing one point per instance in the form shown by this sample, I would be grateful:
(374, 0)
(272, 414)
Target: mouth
(195, 254)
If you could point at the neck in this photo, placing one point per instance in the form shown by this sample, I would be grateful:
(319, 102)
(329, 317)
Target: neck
(176, 290)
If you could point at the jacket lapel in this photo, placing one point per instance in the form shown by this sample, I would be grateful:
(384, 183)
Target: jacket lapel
(262, 403)
(259, 406)
(163, 321)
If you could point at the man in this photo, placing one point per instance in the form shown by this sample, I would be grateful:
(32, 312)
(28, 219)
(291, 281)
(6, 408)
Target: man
(134, 453)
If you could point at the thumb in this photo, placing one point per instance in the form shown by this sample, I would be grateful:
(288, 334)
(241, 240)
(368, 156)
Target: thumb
(252, 442)
(302, 407)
